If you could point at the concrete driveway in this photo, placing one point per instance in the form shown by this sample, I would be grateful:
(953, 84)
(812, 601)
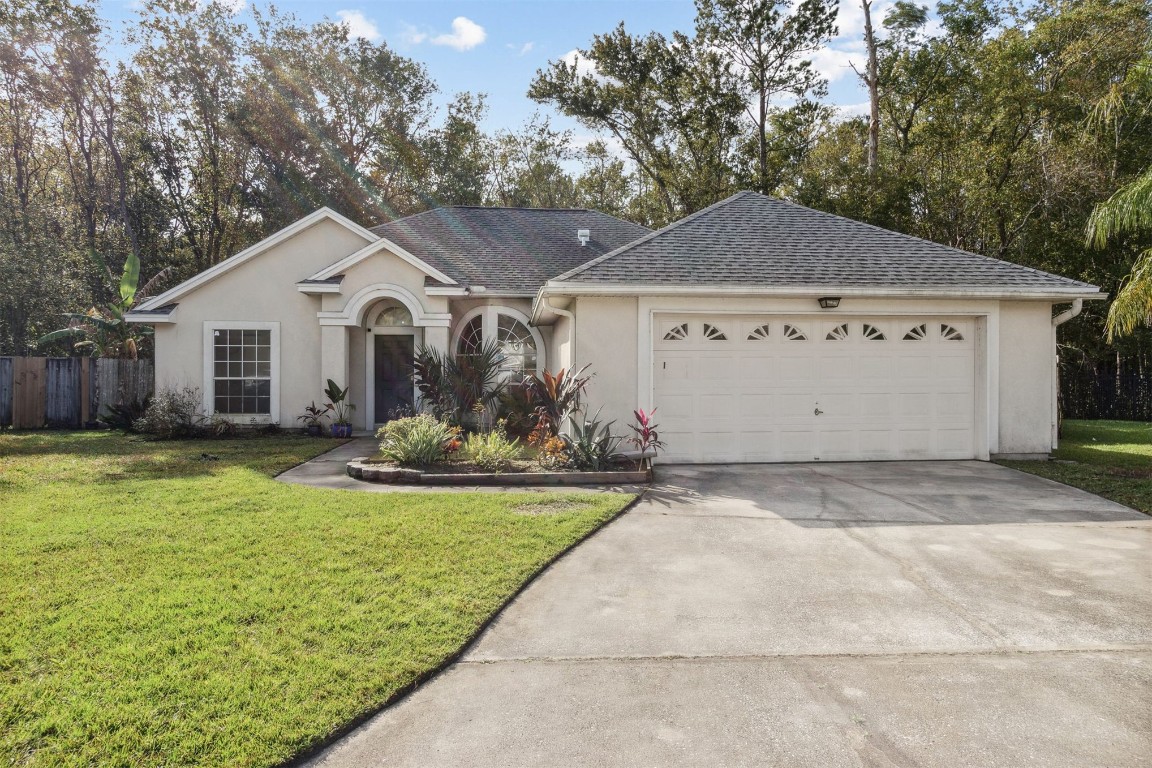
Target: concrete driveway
(892, 614)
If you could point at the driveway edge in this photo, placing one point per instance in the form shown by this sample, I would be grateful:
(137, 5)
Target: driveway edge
(313, 751)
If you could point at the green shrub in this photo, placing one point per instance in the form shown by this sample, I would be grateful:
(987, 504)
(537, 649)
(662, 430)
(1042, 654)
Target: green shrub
(492, 451)
(416, 441)
(173, 413)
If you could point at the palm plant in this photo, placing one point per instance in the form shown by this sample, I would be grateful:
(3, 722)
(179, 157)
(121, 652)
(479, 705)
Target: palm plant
(559, 396)
(453, 386)
(103, 331)
(1127, 212)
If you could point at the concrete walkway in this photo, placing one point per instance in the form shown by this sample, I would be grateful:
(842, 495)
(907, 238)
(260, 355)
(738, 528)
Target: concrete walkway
(328, 470)
(936, 614)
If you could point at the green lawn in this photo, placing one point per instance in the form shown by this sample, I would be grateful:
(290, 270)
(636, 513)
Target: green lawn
(1110, 458)
(162, 608)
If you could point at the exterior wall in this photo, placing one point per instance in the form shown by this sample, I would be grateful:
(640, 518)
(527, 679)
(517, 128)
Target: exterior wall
(564, 352)
(1027, 357)
(247, 294)
(607, 340)
(383, 267)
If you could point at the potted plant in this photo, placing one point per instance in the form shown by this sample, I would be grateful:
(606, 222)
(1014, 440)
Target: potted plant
(341, 425)
(313, 418)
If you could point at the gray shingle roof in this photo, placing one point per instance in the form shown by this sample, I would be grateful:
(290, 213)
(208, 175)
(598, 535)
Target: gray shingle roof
(753, 240)
(507, 249)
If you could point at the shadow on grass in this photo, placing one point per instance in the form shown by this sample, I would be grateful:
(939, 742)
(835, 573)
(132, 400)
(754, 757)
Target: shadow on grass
(101, 457)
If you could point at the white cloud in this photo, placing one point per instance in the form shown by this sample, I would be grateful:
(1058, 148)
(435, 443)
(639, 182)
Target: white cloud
(526, 48)
(584, 65)
(412, 36)
(834, 61)
(854, 110)
(359, 25)
(465, 35)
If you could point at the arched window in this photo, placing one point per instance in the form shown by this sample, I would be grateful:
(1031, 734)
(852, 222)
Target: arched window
(394, 316)
(521, 344)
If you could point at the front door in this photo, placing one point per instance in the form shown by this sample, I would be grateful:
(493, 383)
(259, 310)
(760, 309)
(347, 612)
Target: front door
(393, 375)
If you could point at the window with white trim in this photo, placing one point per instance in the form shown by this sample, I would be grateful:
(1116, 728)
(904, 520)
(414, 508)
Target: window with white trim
(520, 344)
(240, 369)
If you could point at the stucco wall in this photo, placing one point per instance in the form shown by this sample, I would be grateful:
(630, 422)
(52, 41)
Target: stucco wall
(261, 290)
(606, 341)
(1026, 370)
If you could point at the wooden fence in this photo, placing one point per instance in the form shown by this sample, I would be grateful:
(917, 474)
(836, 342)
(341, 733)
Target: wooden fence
(40, 392)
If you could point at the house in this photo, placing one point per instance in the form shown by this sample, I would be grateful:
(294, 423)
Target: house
(763, 331)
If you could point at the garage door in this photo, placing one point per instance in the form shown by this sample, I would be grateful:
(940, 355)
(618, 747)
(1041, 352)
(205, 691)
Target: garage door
(803, 388)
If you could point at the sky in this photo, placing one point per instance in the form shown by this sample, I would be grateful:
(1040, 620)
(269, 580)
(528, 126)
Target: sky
(497, 46)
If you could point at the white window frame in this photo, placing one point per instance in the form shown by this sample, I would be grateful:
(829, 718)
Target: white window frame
(491, 313)
(210, 327)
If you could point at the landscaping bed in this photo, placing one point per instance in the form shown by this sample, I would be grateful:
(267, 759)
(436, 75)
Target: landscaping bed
(519, 472)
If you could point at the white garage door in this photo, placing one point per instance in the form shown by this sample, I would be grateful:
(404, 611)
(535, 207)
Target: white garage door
(803, 388)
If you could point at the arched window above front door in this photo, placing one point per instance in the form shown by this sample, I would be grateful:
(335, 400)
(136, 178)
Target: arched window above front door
(521, 344)
(393, 316)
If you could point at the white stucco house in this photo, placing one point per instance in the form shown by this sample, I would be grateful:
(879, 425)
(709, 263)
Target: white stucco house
(763, 331)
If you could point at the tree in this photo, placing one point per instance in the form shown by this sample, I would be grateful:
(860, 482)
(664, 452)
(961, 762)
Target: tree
(769, 40)
(871, 78)
(1128, 212)
(672, 104)
(528, 167)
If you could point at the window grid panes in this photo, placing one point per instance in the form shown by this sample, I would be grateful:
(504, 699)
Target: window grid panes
(516, 343)
(242, 371)
(472, 337)
(510, 335)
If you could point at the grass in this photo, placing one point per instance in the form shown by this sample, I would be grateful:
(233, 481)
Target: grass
(163, 607)
(1109, 458)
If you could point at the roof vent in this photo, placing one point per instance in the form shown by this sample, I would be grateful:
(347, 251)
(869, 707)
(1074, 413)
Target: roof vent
(585, 235)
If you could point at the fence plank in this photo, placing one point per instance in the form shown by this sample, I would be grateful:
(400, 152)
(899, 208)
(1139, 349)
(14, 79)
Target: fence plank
(5, 391)
(63, 395)
(85, 391)
(29, 381)
(121, 381)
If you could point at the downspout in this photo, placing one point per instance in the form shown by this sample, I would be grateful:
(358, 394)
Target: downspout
(563, 313)
(1068, 314)
(1059, 320)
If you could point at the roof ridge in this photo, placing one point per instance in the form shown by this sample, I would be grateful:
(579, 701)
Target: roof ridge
(651, 235)
(921, 239)
(515, 208)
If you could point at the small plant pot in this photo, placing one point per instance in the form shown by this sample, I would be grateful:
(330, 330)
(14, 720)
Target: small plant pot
(341, 430)
(315, 430)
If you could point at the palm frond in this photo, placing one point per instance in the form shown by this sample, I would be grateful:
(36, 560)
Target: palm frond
(1128, 211)
(1132, 306)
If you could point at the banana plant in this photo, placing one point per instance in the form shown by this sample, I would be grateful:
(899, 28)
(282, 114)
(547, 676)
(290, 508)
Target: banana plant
(103, 331)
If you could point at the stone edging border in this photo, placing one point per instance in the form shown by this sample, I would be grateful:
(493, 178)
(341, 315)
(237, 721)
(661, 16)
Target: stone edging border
(375, 473)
